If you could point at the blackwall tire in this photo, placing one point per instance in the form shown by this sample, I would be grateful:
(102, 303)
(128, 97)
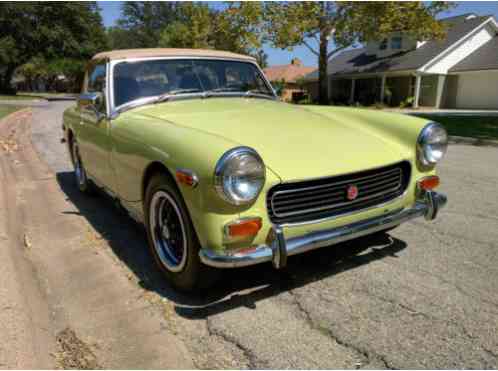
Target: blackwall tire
(82, 182)
(172, 239)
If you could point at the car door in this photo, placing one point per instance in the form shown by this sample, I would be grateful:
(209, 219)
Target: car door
(94, 129)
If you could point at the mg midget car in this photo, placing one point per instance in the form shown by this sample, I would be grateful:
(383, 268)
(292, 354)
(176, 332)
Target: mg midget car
(196, 145)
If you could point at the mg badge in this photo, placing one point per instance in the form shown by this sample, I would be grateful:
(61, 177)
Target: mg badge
(352, 192)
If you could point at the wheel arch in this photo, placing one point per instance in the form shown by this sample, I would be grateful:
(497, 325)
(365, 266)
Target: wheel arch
(153, 168)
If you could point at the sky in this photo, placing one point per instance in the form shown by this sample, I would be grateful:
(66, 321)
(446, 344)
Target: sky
(111, 11)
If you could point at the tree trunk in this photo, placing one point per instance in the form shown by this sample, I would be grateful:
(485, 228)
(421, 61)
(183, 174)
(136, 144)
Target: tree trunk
(5, 79)
(323, 93)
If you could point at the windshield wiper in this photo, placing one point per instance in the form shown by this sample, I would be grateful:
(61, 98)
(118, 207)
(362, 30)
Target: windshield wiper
(258, 93)
(224, 89)
(247, 93)
(164, 97)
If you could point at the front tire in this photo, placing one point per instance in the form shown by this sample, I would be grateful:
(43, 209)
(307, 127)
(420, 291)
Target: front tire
(82, 182)
(172, 238)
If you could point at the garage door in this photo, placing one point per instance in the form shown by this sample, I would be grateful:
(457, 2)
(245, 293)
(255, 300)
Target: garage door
(478, 90)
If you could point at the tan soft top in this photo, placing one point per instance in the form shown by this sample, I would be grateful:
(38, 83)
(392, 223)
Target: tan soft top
(168, 52)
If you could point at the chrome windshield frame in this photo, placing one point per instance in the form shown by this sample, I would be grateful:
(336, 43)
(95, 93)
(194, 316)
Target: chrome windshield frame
(114, 111)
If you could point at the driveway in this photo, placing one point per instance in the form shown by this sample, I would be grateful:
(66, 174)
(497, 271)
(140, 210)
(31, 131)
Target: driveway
(423, 296)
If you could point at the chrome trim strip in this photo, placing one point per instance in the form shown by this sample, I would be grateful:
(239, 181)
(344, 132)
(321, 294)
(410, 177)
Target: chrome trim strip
(321, 220)
(407, 160)
(278, 250)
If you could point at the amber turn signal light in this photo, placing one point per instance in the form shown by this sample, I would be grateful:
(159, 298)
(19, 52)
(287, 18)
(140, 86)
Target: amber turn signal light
(186, 177)
(429, 183)
(244, 227)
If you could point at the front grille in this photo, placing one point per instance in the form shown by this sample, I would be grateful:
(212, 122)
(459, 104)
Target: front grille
(310, 200)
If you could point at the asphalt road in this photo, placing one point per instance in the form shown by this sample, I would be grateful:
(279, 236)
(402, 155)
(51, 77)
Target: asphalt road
(423, 296)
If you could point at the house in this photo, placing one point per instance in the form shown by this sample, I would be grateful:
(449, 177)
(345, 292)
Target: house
(460, 71)
(289, 76)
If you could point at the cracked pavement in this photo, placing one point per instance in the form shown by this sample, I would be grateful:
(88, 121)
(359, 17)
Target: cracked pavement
(425, 295)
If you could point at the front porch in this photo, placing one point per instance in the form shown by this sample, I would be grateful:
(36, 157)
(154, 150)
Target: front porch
(395, 90)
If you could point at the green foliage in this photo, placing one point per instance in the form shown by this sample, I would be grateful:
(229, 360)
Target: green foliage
(192, 29)
(238, 27)
(120, 38)
(408, 102)
(146, 20)
(288, 24)
(261, 58)
(52, 31)
(279, 86)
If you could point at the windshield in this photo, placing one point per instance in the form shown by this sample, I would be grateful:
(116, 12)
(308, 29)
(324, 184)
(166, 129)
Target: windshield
(135, 80)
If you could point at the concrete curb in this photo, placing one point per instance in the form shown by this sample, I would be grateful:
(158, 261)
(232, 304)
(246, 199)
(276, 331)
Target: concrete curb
(472, 141)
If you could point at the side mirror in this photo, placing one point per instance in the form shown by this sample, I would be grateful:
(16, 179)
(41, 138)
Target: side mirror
(91, 102)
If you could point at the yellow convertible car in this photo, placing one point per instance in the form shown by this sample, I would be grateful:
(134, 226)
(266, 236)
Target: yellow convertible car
(196, 145)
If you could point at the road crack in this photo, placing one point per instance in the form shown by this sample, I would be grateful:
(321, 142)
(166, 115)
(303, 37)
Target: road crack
(252, 360)
(365, 355)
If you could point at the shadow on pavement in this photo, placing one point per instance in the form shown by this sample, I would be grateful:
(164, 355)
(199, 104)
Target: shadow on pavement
(237, 287)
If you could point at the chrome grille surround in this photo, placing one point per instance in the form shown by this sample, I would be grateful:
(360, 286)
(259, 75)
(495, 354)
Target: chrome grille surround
(317, 199)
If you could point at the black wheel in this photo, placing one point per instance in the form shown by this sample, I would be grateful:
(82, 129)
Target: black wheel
(84, 184)
(172, 238)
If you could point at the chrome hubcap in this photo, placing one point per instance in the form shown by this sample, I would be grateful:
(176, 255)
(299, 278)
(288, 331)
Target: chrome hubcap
(78, 169)
(168, 231)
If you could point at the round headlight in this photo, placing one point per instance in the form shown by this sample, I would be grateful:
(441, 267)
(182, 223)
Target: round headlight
(239, 175)
(432, 144)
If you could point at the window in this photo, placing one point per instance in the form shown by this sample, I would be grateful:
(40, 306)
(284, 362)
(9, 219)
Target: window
(396, 43)
(149, 78)
(383, 44)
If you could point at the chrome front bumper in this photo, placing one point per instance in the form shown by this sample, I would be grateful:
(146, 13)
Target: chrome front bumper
(427, 206)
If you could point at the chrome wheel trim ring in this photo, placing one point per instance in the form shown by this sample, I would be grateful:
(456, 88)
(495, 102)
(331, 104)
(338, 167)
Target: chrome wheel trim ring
(161, 236)
(79, 171)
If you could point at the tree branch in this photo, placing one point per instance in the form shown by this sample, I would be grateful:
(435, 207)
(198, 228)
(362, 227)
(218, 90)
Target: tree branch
(335, 51)
(310, 48)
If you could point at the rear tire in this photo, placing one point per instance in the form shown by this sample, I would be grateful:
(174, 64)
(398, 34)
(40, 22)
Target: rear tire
(172, 239)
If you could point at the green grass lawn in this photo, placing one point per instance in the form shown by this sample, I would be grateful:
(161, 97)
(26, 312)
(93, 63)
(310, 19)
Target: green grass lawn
(480, 127)
(15, 97)
(33, 95)
(5, 110)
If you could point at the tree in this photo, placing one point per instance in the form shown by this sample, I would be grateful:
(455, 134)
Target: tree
(238, 27)
(342, 24)
(121, 38)
(261, 58)
(192, 29)
(146, 21)
(51, 31)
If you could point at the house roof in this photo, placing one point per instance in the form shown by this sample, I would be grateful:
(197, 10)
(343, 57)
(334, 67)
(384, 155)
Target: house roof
(357, 61)
(484, 58)
(287, 72)
(168, 52)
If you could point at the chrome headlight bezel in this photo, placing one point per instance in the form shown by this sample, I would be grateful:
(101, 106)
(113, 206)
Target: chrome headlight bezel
(219, 175)
(426, 140)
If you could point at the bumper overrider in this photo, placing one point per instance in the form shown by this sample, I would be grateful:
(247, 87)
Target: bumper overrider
(427, 205)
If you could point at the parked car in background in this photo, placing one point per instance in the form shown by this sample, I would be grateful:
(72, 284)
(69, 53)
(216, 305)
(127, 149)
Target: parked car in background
(195, 144)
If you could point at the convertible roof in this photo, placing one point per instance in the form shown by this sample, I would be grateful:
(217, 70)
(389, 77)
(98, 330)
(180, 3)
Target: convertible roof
(168, 52)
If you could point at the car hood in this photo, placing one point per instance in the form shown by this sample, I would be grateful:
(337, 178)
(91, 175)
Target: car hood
(295, 143)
